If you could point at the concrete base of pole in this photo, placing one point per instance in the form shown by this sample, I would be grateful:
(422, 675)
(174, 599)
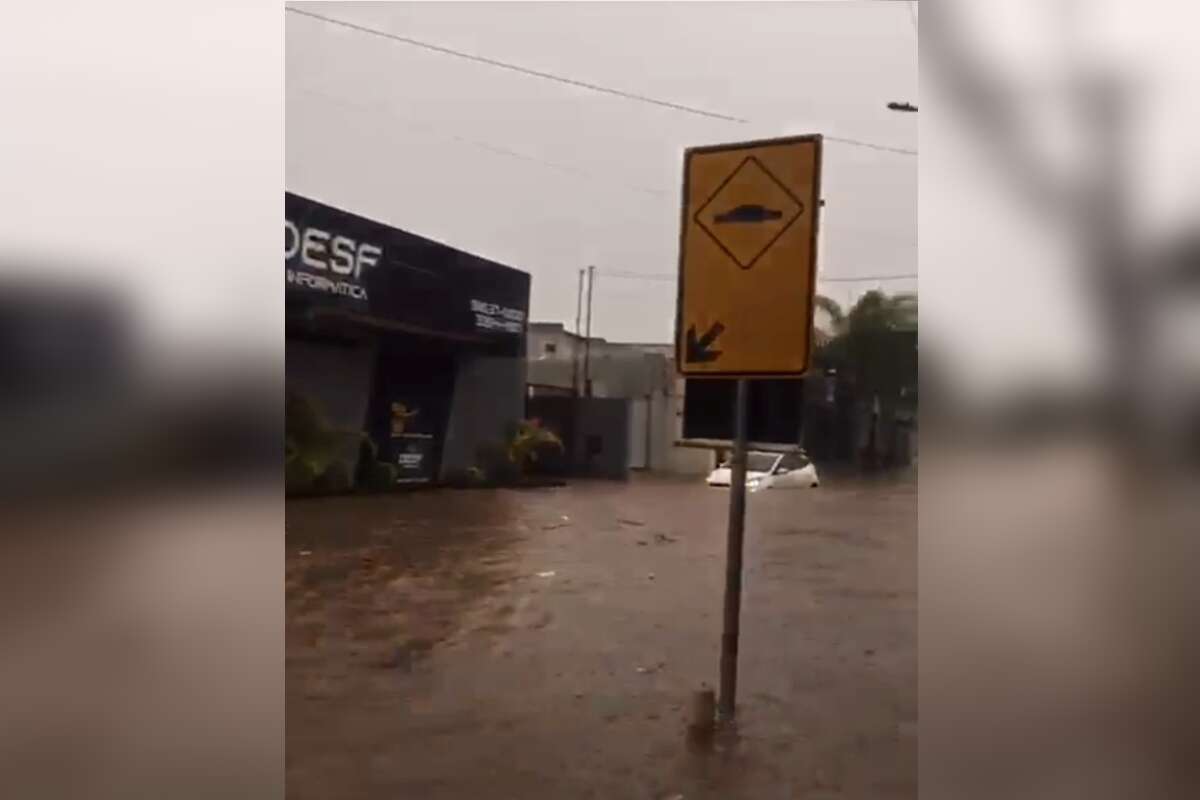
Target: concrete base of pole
(704, 711)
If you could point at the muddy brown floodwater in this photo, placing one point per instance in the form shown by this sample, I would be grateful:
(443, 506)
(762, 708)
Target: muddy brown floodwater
(497, 645)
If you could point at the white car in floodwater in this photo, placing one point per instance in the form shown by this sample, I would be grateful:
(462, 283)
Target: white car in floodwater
(771, 471)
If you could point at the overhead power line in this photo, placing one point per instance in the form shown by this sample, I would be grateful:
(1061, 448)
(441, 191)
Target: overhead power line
(634, 276)
(869, 278)
(554, 165)
(487, 146)
(493, 148)
(557, 166)
(517, 68)
(873, 146)
(569, 81)
(664, 276)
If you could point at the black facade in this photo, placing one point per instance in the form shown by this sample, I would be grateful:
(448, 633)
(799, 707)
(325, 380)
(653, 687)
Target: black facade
(416, 344)
(337, 261)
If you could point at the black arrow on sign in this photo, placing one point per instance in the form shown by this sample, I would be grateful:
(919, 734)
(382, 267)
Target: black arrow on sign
(697, 348)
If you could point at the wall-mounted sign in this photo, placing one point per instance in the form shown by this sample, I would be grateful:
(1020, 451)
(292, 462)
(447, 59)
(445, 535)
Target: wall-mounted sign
(491, 317)
(324, 261)
(336, 259)
(401, 416)
(412, 455)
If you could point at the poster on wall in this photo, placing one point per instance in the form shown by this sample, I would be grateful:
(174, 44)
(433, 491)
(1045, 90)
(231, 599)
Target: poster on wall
(411, 451)
(412, 454)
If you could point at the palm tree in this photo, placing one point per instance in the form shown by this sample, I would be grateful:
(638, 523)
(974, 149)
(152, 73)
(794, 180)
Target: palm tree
(867, 346)
(837, 319)
(831, 307)
(873, 310)
(861, 341)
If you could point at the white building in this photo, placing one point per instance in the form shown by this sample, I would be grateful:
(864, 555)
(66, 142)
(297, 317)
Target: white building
(560, 361)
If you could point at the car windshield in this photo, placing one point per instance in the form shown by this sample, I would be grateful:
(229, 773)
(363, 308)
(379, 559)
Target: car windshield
(760, 462)
(794, 461)
(755, 462)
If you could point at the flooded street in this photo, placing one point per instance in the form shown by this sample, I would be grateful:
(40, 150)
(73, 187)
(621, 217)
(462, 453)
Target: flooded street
(545, 643)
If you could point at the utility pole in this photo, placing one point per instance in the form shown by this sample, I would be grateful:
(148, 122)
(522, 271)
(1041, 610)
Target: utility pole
(575, 349)
(587, 344)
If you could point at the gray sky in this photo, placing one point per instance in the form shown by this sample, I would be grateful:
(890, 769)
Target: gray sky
(449, 148)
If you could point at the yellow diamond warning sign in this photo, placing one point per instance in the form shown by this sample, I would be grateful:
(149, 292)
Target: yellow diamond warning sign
(749, 212)
(747, 258)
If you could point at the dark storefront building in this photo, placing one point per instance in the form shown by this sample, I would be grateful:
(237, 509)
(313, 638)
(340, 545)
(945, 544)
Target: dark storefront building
(414, 343)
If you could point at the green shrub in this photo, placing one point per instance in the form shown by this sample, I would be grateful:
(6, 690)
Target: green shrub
(381, 476)
(335, 478)
(298, 476)
(319, 457)
(529, 442)
(471, 476)
(526, 444)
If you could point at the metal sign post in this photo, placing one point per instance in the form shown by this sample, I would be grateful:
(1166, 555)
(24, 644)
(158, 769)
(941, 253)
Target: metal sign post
(747, 274)
(733, 556)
